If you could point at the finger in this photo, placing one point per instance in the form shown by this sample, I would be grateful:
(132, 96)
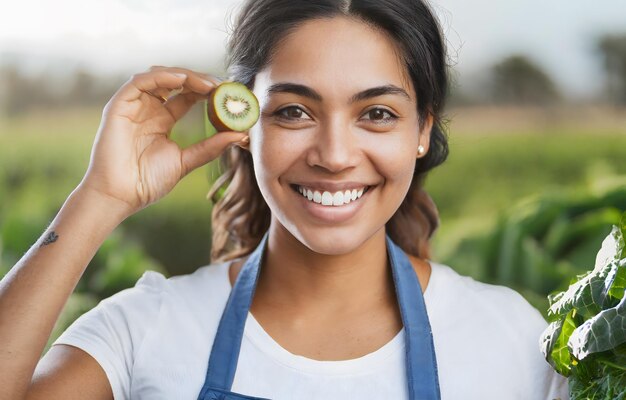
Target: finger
(149, 82)
(199, 84)
(180, 104)
(207, 150)
(164, 95)
(196, 81)
(160, 94)
(215, 79)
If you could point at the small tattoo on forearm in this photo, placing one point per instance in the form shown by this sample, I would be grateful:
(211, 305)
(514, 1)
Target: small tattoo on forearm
(51, 238)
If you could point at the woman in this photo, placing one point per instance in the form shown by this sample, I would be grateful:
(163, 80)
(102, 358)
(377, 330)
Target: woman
(321, 285)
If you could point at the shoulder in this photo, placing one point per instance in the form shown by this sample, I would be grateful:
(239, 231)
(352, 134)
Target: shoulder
(139, 306)
(153, 287)
(495, 302)
(473, 320)
(492, 311)
(115, 332)
(495, 316)
(208, 279)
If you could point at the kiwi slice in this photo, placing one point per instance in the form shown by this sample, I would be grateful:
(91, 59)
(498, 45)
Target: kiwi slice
(232, 107)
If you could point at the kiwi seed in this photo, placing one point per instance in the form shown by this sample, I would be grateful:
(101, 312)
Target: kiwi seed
(232, 107)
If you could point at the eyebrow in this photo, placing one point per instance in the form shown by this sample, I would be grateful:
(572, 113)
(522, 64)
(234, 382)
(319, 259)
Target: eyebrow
(305, 91)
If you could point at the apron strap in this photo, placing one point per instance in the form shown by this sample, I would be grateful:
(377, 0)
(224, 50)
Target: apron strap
(421, 362)
(225, 352)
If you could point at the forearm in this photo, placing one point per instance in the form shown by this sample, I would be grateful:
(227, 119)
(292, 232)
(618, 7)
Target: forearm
(36, 289)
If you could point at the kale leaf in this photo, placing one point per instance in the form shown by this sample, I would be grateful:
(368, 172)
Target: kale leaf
(586, 338)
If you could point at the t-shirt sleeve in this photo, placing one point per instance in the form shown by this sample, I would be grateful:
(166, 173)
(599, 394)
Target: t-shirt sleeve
(558, 388)
(556, 385)
(550, 384)
(113, 331)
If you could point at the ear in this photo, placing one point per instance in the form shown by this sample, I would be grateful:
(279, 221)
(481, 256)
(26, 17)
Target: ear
(424, 135)
(244, 144)
(245, 147)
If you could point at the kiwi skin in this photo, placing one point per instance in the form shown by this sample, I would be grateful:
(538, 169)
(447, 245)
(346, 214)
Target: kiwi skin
(214, 119)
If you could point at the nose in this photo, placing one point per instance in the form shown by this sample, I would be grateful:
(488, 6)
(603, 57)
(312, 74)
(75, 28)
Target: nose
(335, 147)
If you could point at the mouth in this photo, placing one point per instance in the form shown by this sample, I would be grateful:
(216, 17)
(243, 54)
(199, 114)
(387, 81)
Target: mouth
(331, 199)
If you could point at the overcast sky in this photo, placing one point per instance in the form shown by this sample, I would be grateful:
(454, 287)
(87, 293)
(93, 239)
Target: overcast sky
(125, 36)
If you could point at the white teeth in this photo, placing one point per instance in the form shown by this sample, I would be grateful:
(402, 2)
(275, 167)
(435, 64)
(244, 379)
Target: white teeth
(338, 199)
(329, 199)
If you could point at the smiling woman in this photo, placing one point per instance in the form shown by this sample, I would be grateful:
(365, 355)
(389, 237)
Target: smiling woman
(333, 144)
(321, 286)
(395, 61)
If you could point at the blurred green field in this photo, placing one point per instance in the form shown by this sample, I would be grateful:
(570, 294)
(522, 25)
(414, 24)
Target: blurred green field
(43, 156)
(494, 164)
(500, 157)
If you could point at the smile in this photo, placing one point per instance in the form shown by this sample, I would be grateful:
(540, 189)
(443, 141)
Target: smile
(334, 199)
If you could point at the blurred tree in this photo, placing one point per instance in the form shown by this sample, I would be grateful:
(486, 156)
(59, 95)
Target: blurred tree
(518, 80)
(613, 51)
(81, 89)
(458, 94)
(20, 93)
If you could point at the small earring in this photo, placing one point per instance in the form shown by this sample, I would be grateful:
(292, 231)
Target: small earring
(420, 150)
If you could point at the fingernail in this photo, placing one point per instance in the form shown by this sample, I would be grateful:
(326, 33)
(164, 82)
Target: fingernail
(208, 82)
(213, 78)
(179, 74)
(245, 140)
(176, 91)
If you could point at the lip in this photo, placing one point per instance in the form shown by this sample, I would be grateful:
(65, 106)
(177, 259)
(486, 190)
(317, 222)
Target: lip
(332, 214)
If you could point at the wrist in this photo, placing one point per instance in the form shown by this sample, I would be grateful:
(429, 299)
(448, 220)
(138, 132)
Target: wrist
(115, 210)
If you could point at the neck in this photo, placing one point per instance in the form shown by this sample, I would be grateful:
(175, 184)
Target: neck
(294, 276)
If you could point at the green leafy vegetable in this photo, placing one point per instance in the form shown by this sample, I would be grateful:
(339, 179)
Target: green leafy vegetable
(586, 339)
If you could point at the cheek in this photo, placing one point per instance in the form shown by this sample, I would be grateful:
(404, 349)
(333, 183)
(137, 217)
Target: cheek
(394, 157)
(273, 154)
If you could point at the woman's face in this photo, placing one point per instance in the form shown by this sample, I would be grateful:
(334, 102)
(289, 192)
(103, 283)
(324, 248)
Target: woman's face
(338, 118)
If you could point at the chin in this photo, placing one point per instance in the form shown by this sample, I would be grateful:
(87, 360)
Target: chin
(332, 242)
(331, 246)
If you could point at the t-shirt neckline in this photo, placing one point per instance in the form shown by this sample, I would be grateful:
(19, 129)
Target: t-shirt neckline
(377, 359)
(434, 270)
(366, 363)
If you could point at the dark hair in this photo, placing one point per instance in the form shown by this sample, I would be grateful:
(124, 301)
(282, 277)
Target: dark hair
(241, 216)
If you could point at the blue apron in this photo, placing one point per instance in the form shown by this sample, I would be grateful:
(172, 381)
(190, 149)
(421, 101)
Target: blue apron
(421, 364)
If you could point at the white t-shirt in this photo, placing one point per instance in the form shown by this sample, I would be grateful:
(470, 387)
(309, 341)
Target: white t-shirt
(153, 341)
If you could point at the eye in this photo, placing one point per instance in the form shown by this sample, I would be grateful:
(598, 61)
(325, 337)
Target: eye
(291, 113)
(380, 115)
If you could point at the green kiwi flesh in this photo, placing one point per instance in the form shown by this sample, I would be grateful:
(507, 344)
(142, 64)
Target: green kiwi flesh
(232, 107)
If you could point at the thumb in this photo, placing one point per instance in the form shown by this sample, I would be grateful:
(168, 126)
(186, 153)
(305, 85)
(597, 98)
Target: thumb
(208, 149)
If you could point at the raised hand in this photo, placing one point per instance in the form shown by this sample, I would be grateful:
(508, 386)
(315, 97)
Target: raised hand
(133, 161)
